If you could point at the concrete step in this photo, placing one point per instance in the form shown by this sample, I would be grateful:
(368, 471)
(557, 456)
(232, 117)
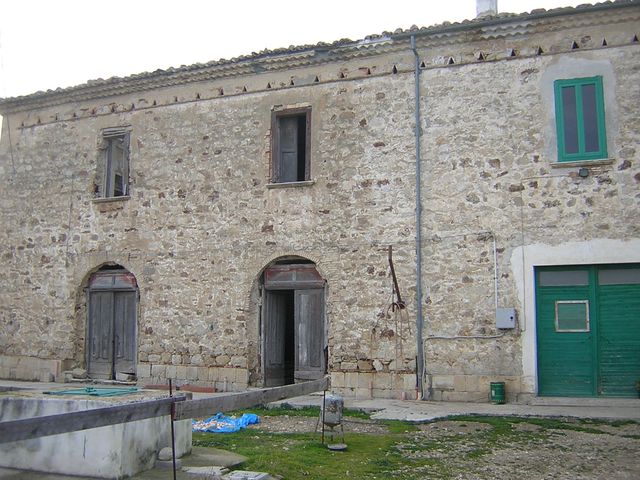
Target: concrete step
(585, 402)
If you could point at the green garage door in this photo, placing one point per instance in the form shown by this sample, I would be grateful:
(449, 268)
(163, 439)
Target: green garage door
(588, 330)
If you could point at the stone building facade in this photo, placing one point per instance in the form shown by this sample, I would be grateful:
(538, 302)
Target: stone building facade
(231, 224)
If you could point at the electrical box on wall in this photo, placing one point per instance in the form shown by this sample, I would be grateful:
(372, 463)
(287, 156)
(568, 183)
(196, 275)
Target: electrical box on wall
(505, 318)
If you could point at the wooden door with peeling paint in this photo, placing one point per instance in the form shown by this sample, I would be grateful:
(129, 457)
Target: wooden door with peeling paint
(293, 325)
(111, 324)
(100, 334)
(309, 325)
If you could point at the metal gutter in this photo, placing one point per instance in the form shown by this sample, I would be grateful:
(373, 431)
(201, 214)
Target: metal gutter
(420, 362)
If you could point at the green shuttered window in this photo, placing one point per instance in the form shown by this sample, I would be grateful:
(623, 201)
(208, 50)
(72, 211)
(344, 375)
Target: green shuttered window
(580, 120)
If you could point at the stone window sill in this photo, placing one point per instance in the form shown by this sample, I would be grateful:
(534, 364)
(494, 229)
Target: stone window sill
(111, 199)
(305, 183)
(583, 163)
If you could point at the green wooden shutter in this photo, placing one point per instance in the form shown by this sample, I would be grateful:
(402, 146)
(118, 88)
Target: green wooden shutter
(580, 119)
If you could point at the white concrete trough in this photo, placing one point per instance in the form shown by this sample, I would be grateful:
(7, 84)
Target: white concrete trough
(113, 451)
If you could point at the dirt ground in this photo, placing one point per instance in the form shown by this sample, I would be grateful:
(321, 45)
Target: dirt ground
(527, 448)
(475, 449)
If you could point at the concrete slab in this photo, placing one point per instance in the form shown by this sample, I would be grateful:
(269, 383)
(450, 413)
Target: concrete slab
(202, 473)
(200, 458)
(216, 456)
(112, 451)
(424, 411)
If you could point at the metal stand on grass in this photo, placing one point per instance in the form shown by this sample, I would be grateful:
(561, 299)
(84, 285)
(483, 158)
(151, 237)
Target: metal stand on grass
(331, 416)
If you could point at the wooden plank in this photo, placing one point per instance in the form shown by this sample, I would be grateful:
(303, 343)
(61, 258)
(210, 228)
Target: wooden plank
(29, 428)
(207, 407)
(35, 427)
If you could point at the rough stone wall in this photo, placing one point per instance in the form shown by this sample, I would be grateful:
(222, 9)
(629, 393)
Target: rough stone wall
(201, 225)
(492, 174)
(202, 222)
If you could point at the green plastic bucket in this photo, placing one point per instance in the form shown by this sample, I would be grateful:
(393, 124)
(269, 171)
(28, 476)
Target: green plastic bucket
(497, 392)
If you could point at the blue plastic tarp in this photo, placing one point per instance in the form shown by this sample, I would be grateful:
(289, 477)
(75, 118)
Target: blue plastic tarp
(220, 423)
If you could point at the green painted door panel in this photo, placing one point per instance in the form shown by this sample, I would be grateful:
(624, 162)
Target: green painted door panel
(619, 339)
(601, 357)
(566, 364)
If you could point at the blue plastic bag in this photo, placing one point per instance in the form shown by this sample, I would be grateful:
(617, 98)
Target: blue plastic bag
(220, 423)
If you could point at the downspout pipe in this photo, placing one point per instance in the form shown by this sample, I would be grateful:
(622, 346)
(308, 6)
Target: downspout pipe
(420, 363)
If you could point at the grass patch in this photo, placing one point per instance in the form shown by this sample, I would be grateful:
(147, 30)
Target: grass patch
(296, 412)
(399, 427)
(406, 451)
(574, 424)
(302, 456)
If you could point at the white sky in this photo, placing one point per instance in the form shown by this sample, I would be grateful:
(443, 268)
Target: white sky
(45, 44)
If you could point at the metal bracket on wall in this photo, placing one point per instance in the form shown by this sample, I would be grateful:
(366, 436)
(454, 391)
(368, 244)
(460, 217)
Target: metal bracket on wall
(398, 303)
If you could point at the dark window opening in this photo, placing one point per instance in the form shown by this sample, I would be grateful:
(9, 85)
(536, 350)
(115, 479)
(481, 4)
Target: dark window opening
(290, 145)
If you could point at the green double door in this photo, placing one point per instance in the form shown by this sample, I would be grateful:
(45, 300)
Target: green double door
(588, 330)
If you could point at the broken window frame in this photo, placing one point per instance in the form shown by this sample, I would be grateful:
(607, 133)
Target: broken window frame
(576, 109)
(279, 173)
(114, 182)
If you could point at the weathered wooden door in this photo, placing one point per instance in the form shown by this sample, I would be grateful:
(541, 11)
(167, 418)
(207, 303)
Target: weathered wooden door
(124, 338)
(100, 334)
(274, 334)
(293, 326)
(309, 324)
(111, 325)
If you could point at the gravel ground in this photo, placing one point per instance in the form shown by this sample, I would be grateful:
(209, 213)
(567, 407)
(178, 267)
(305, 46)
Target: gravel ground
(532, 449)
(293, 424)
(535, 452)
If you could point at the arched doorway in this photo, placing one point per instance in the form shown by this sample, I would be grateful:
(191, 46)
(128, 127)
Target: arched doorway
(111, 323)
(293, 323)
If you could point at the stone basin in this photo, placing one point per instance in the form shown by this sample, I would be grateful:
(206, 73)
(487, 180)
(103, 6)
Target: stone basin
(114, 451)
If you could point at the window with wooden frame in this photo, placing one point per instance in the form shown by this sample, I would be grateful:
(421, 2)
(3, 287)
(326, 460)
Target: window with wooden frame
(572, 316)
(580, 119)
(290, 145)
(113, 167)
